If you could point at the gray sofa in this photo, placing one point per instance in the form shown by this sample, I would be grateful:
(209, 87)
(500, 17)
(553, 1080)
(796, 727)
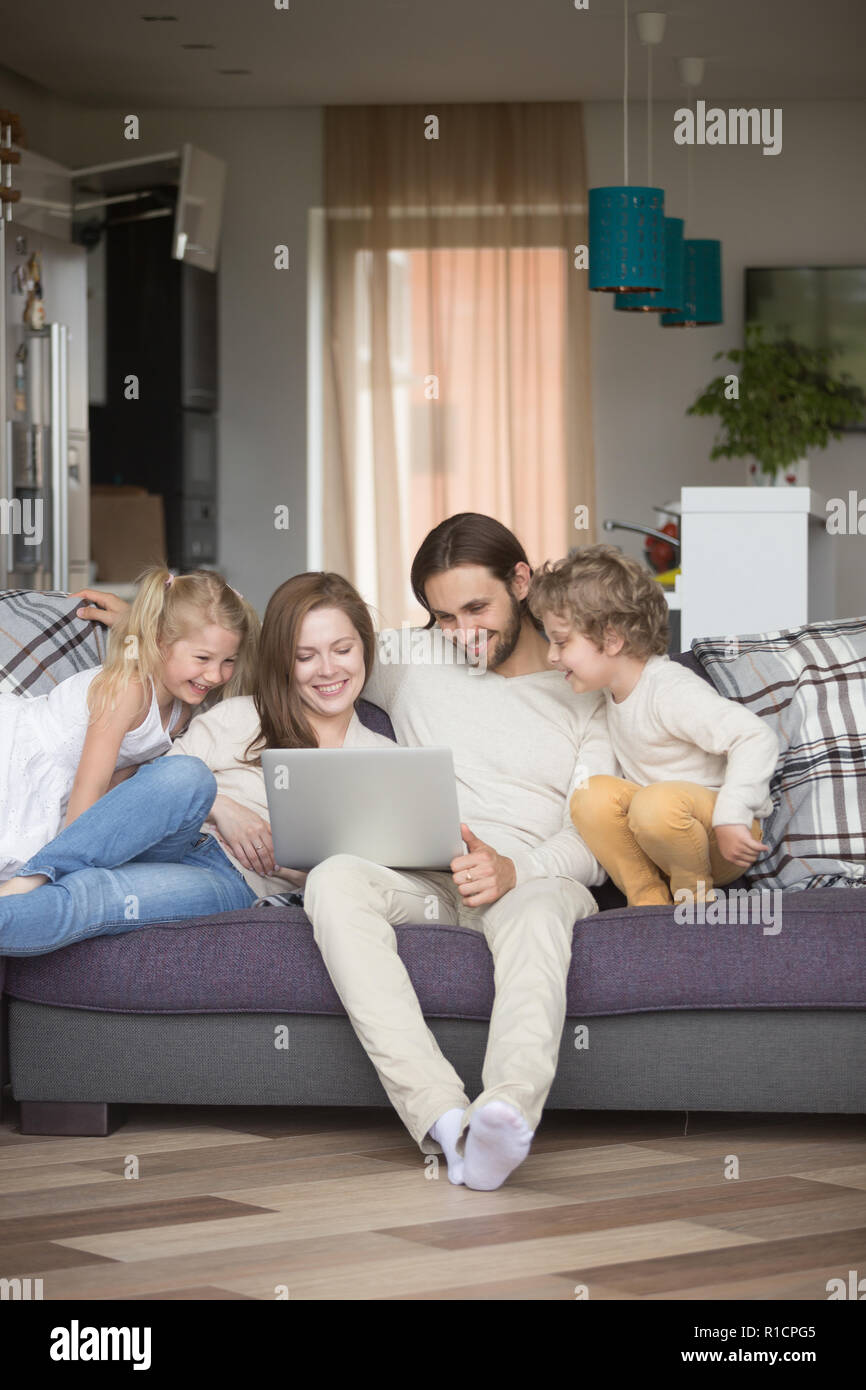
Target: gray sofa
(660, 1015)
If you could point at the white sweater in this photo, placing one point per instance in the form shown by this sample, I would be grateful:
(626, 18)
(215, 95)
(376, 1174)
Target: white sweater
(220, 737)
(674, 727)
(519, 745)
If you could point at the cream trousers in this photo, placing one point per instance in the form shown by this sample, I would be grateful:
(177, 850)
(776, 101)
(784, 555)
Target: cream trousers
(354, 906)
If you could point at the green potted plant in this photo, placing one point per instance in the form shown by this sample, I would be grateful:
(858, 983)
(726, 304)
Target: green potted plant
(779, 400)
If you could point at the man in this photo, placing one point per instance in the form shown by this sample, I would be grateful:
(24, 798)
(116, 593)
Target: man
(520, 738)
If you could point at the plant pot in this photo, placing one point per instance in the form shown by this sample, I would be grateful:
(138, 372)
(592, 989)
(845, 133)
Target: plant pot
(792, 475)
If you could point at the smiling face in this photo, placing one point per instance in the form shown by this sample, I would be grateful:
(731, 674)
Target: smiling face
(199, 662)
(329, 662)
(478, 611)
(583, 665)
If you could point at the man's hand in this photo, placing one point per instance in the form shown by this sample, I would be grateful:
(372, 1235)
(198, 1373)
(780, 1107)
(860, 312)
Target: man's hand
(736, 844)
(104, 607)
(481, 875)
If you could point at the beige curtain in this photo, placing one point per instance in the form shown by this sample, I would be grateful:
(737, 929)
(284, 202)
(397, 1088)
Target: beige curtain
(456, 347)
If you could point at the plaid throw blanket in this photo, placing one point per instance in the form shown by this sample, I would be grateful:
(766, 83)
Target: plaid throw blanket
(42, 642)
(809, 683)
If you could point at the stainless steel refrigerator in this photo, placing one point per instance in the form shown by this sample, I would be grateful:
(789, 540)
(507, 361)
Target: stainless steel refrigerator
(44, 471)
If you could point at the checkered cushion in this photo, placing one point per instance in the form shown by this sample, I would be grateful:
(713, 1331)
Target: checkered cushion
(809, 683)
(42, 642)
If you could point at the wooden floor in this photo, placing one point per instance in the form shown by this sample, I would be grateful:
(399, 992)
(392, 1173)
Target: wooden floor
(335, 1204)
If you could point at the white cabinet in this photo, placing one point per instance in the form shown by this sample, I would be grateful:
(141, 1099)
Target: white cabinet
(753, 560)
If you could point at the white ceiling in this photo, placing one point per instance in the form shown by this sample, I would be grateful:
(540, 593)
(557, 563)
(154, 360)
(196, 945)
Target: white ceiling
(320, 52)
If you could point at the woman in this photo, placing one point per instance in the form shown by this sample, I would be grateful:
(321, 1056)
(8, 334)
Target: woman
(142, 853)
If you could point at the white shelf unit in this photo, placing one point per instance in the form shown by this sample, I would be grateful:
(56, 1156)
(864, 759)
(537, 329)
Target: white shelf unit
(754, 560)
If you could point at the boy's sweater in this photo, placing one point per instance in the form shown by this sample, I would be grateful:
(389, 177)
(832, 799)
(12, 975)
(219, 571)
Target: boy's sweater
(674, 727)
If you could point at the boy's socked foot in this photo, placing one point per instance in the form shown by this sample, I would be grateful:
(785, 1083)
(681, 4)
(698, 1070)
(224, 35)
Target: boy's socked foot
(20, 884)
(498, 1142)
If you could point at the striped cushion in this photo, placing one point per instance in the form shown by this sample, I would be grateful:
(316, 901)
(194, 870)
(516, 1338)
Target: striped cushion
(809, 683)
(42, 642)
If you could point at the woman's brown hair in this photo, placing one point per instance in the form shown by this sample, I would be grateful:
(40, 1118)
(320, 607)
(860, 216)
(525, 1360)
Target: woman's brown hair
(278, 704)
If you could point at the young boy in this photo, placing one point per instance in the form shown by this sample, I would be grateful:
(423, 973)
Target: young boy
(697, 767)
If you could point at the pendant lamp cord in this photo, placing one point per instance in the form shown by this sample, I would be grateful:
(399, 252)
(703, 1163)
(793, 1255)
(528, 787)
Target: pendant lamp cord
(649, 114)
(689, 172)
(625, 96)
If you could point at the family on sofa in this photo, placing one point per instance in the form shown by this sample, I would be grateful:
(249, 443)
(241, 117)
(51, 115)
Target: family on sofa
(579, 748)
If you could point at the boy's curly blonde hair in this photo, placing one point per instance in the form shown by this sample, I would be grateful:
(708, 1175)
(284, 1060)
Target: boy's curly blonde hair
(599, 589)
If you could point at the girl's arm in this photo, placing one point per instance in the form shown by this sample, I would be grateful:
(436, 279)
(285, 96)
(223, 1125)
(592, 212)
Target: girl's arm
(101, 747)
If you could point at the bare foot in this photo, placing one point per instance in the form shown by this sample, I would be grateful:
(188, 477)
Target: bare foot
(22, 885)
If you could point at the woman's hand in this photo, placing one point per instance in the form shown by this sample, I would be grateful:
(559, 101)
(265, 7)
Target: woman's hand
(245, 833)
(296, 877)
(104, 608)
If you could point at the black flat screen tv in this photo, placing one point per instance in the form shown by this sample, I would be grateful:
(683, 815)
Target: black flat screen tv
(821, 306)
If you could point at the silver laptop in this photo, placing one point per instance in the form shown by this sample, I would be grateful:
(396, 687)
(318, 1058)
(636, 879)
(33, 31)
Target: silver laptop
(394, 806)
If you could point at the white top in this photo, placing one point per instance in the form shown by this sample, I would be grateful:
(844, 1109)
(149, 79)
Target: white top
(520, 745)
(674, 727)
(41, 742)
(220, 738)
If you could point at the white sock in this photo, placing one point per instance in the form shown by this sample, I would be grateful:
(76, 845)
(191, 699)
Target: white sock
(499, 1140)
(446, 1131)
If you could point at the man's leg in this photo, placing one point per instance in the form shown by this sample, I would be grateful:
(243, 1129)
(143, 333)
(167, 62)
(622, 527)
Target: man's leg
(354, 905)
(529, 931)
(601, 812)
(159, 812)
(108, 902)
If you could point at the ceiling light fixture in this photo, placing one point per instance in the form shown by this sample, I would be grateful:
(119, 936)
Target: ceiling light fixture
(702, 256)
(626, 223)
(651, 30)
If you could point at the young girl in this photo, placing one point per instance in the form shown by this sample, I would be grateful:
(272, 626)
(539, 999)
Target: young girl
(189, 836)
(182, 640)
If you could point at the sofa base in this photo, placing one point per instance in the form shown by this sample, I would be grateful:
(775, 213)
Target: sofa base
(70, 1117)
(789, 1061)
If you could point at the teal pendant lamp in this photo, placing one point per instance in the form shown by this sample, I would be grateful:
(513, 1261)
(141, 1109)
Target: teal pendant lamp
(702, 256)
(702, 285)
(626, 224)
(651, 29)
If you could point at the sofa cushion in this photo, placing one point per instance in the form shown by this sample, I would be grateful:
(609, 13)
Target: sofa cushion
(809, 684)
(626, 961)
(42, 642)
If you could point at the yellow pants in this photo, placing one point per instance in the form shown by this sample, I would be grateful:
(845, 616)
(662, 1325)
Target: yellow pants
(653, 840)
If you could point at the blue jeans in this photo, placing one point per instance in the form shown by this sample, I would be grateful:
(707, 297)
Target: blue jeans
(136, 856)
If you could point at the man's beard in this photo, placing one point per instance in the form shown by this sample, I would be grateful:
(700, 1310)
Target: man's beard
(508, 637)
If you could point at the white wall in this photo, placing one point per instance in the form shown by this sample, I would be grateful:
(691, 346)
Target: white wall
(804, 206)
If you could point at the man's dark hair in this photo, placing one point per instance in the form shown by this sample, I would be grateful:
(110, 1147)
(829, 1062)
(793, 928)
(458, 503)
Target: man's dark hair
(469, 538)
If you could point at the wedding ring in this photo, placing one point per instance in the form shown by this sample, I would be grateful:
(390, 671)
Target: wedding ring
(256, 845)
(468, 873)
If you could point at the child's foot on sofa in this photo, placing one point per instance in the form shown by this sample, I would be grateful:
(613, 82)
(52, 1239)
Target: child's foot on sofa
(498, 1142)
(446, 1131)
(22, 885)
